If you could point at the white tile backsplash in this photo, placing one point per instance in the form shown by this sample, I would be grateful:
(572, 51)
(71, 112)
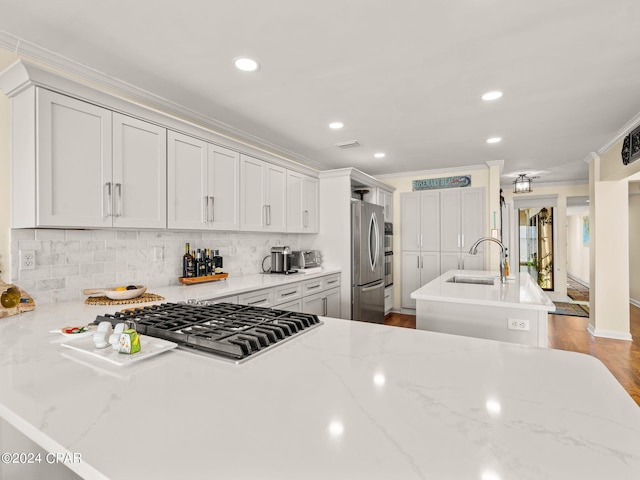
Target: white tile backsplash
(68, 261)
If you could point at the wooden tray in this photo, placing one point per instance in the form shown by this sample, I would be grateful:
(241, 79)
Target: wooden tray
(196, 280)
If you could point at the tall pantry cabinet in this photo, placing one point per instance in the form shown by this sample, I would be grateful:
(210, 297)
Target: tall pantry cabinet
(438, 228)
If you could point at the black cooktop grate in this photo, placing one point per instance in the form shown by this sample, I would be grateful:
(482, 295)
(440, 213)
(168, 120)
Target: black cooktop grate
(233, 331)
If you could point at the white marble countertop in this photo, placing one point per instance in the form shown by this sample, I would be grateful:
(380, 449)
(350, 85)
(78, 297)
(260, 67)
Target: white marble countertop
(347, 400)
(234, 285)
(520, 291)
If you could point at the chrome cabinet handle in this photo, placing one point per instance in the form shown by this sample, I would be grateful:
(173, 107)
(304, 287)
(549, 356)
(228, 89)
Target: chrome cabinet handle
(288, 293)
(206, 210)
(324, 306)
(313, 287)
(462, 241)
(264, 215)
(107, 187)
(418, 259)
(257, 301)
(269, 214)
(213, 209)
(118, 186)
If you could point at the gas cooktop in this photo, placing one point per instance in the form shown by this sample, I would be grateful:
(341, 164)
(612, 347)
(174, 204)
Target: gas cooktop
(233, 332)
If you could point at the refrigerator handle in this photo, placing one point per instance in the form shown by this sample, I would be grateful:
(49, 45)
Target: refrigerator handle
(374, 287)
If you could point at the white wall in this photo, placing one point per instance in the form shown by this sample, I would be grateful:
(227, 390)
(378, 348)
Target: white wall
(634, 242)
(577, 250)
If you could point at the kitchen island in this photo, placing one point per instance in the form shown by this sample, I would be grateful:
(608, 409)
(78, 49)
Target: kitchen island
(346, 400)
(475, 303)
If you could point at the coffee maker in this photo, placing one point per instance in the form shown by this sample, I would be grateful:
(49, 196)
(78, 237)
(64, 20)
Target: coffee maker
(281, 260)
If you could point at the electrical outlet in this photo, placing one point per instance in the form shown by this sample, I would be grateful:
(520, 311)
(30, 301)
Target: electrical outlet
(27, 260)
(518, 324)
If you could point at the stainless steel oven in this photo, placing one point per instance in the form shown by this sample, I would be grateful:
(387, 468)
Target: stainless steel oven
(388, 254)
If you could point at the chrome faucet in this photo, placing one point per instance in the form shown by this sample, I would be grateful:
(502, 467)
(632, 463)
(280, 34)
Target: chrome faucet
(503, 255)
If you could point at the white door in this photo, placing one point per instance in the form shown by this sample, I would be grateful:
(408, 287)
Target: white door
(410, 277)
(410, 221)
(295, 202)
(252, 194)
(74, 162)
(430, 221)
(429, 267)
(332, 302)
(276, 197)
(223, 188)
(310, 202)
(472, 218)
(139, 173)
(313, 304)
(186, 186)
(450, 235)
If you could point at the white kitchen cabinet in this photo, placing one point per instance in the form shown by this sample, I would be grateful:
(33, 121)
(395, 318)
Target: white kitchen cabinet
(203, 187)
(139, 198)
(385, 199)
(257, 298)
(290, 306)
(417, 269)
(114, 163)
(302, 203)
(324, 304)
(420, 221)
(70, 179)
(262, 195)
(462, 223)
(388, 299)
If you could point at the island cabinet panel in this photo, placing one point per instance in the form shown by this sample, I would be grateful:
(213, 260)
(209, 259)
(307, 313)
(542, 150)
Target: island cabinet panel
(73, 161)
(262, 195)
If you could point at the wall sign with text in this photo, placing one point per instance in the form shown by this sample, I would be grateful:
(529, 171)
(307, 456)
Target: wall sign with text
(444, 182)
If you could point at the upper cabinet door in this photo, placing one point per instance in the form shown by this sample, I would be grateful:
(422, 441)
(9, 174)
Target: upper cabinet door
(430, 221)
(410, 221)
(385, 199)
(450, 235)
(472, 218)
(310, 202)
(187, 193)
(223, 188)
(74, 162)
(276, 197)
(302, 203)
(139, 173)
(253, 208)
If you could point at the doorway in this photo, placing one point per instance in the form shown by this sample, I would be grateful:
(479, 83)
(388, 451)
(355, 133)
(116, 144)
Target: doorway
(536, 244)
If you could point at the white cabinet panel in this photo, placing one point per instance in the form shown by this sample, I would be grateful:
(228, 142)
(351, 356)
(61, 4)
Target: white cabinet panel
(290, 306)
(418, 268)
(257, 298)
(385, 199)
(139, 173)
(324, 304)
(410, 221)
(302, 203)
(332, 302)
(450, 224)
(187, 189)
(223, 188)
(263, 195)
(74, 161)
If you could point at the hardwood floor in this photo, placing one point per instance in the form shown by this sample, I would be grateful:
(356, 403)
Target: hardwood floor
(621, 357)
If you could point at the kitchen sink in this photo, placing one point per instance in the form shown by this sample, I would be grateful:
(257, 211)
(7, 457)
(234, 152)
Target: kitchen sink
(472, 280)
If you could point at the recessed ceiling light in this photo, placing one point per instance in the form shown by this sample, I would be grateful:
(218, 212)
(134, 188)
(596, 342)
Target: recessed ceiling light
(336, 125)
(379, 155)
(492, 95)
(246, 64)
(494, 140)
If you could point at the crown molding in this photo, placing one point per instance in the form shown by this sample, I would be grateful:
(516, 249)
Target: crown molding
(496, 163)
(592, 156)
(623, 132)
(356, 176)
(35, 57)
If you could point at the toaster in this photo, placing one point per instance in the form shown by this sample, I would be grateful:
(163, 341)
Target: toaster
(305, 258)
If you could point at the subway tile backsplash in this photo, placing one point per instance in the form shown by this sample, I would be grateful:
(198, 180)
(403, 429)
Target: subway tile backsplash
(68, 261)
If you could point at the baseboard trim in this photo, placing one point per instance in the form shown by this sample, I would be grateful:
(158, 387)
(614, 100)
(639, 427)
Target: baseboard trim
(597, 332)
(581, 281)
(634, 302)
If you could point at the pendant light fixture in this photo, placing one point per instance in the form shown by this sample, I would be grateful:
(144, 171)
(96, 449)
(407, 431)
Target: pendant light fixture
(522, 184)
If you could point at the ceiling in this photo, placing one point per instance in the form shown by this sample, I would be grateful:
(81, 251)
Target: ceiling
(405, 77)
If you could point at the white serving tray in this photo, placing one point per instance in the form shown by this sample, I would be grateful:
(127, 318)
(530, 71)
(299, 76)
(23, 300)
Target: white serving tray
(149, 346)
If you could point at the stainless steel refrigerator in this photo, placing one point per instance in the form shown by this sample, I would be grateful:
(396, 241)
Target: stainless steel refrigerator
(367, 255)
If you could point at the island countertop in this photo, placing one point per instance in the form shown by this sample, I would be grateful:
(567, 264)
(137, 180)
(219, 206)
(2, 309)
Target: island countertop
(520, 291)
(347, 400)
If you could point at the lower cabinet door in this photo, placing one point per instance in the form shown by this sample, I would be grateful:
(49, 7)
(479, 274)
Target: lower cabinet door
(332, 302)
(292, 306)
(313, 304)
(410, 278)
